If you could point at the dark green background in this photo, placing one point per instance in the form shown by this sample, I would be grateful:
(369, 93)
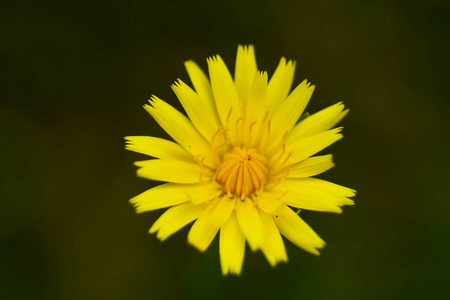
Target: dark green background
(76, 74)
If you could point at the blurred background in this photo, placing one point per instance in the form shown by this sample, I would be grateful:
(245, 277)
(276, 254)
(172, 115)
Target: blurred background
(74, 77)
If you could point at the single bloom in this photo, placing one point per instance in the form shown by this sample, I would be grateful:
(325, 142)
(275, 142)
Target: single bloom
(241, 163)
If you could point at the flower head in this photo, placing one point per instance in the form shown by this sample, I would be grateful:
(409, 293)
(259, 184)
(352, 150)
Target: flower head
(240, 161)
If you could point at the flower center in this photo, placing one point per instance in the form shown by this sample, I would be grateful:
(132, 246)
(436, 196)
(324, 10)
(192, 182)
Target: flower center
(241, 172)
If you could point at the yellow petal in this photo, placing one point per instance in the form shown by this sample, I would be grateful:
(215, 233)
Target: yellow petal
(225, 94)
(318, 122)
(270, 201)
(201, 192)
(311, 166)
(179, 128)
(161, 196)
(170, 170)
(273, 246)
(250, 223)
(223, 210)
(204, 230)
(333, 188)
(297, 231)
(308, 196)
(232, 246)
(170, 194)
(202, 86)
(288, 114)
(200, 114)
(280, 84)
(304, 148)
(245, 71)
(156, 147)
(256, 104)
(176, 218)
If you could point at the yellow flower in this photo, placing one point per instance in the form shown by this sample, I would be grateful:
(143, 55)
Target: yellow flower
(240, 161)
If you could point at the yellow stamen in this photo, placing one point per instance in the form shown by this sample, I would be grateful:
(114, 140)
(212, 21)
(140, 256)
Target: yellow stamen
(199, 159)
(241, 172)
(277, 146)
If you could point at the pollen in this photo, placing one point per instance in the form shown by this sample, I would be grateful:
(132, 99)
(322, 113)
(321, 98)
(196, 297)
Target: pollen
(241, 172)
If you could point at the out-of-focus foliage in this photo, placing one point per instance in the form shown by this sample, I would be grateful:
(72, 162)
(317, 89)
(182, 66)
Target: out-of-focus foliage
(75, 76)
